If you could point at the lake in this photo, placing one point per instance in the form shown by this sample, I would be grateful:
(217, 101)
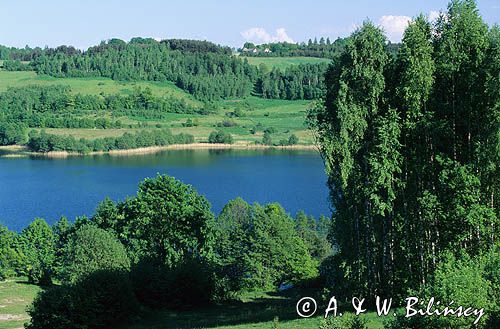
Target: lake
(49, 188)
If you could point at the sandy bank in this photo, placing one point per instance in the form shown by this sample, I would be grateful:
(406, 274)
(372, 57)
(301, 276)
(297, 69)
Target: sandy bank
(19, 151)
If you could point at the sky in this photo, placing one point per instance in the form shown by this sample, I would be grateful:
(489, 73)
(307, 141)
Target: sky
(86, 23)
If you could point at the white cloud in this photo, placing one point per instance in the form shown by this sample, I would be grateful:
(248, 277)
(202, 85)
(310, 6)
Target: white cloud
(260, 35)
(394, 26)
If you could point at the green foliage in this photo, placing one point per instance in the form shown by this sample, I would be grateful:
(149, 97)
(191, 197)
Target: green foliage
(410, 145)
(304, 81)
(347, 321)
(258, 247)
(208, 73)
(314, 234)
(266, 139)
(167, 221)
(43, 142)
(462, 281)
(9, 256)
(13, 133)
(286, 49)
(293, 140)
(220, 137)
(468, 283)
(15, 65)
(56, 107)
(190, 283)
(36, 244)
(107, 215)
(90, 249)
(103, 299)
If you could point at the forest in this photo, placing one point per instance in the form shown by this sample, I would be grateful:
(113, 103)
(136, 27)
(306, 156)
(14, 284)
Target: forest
(206, 71)
(411, 148)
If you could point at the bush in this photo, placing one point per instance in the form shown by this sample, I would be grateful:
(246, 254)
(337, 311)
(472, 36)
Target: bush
(266, 139)
(347, 321)
(188, 284)
(101, 300)
(191, 123)
(220, 137)
(90, 249)
(13, 133)
(270, 130)
(293, 140)
(464, 281)
(227, 123)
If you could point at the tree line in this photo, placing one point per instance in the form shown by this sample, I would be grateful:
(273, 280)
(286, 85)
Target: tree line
(206, 71)
(40, 141)
(411, 150)
(324, 48)
(303, 81)
(57, 107)
(160, 248)
(206, 74)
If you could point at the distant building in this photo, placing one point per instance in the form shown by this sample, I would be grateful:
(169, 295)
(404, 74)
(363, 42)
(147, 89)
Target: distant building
(255, 50)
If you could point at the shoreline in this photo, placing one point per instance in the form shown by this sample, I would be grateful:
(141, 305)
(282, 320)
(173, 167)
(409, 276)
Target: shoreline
(17, 151)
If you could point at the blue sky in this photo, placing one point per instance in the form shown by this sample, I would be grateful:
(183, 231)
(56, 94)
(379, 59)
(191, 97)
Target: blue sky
(85, 23)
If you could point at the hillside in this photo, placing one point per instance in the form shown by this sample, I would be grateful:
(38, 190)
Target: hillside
(284, 62)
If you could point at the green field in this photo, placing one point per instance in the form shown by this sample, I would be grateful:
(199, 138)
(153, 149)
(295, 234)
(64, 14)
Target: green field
(286, 117)
(15, 295)
(91, 86)
(284, 62)
(256, 310)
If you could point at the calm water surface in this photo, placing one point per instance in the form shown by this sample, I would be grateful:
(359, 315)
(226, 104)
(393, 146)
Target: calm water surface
(50, 188)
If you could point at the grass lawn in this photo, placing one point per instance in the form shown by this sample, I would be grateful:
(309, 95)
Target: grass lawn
(284, 62)
(15, 295)
(90, 86)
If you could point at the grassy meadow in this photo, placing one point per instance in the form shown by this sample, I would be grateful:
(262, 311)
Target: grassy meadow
(15, 296)
(286, 117)
(284, 62)
(90, 86)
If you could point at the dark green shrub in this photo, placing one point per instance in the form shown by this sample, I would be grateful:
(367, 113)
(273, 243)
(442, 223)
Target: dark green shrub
(188, 284)
(293, 140)
(220, 137)
(347, 321)
(266, 139)
(465, 282)
(270, 130)
(101, 300)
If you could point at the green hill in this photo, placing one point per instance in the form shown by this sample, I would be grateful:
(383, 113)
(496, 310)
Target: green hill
(284, 62)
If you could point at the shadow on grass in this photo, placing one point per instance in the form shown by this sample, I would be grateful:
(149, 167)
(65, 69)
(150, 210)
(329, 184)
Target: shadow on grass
(258, 309)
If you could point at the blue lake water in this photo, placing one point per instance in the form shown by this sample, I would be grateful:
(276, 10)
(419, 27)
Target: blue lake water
(50, 188)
